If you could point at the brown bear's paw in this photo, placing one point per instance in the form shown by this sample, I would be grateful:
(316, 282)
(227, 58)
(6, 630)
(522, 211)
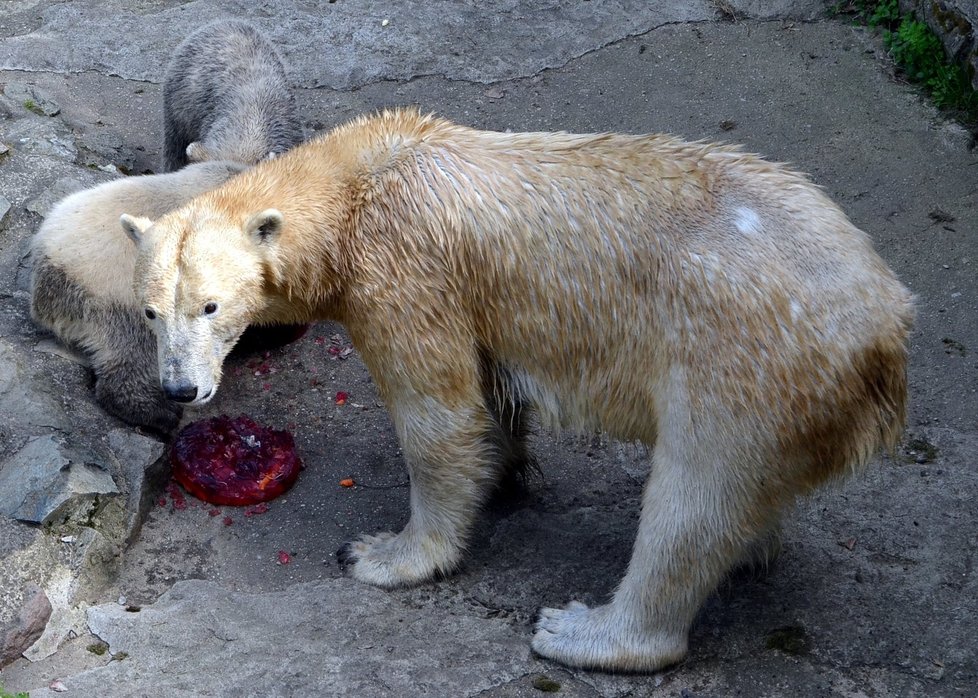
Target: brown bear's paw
(391, 560)
(599, 638)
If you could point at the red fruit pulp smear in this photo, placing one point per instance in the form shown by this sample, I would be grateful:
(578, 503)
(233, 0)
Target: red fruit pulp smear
(234, 461)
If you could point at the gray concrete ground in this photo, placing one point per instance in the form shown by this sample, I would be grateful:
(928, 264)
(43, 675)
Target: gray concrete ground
(876, 592)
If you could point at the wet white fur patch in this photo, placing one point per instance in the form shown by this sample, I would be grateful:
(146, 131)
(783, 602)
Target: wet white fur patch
(747, 221)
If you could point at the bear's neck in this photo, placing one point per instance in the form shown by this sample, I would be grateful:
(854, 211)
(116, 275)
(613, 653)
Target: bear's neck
(304, 268)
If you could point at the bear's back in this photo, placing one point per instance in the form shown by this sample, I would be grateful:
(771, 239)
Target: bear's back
(82, 234)
(575, 255)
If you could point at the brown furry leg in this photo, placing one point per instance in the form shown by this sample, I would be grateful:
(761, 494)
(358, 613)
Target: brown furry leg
(512, 417)
(516, 465)
(761, 553)
(121, 348)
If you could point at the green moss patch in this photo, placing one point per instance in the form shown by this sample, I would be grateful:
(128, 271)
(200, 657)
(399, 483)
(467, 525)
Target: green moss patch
(919, 56)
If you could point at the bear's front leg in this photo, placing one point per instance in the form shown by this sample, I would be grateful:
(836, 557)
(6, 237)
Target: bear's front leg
(127, 379)
(445, 440)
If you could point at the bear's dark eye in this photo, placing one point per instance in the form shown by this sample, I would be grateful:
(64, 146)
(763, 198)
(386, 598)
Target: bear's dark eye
(210, 308)
(150, 314)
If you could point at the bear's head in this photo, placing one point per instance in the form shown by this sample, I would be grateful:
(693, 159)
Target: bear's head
(200, 279)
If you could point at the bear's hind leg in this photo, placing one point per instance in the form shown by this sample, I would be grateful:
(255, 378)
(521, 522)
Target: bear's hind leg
(761, 553)
(515, 464)
(699, 515)
(512, 416)
(175, 142)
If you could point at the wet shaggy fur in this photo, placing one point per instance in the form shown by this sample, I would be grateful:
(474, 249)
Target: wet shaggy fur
(226, 96)
(81, 286)
(710, 304)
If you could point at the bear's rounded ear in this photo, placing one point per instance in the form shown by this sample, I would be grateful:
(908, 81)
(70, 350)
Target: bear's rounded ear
(134, 226)
(196, 152)
(265, 226)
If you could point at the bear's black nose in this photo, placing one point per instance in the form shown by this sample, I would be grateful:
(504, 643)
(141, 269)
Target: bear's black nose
(180, 392)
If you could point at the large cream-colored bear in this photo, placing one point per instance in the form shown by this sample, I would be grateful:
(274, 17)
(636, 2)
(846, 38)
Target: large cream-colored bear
(690, 296)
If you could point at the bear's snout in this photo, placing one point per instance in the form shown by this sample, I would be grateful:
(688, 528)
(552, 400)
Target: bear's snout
(180, 392)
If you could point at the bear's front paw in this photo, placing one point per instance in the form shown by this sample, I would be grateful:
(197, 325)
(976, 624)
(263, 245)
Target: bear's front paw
(391, 560)
(600, 638)
(164, 419)
(137, 406)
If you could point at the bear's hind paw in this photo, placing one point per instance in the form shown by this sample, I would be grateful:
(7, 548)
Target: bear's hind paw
(596, 639)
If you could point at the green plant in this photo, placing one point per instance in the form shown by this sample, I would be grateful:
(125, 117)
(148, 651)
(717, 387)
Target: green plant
(31, 105)
(885, 14)
(98, 648)
(5, 694)
(919, 55)
(915, 48)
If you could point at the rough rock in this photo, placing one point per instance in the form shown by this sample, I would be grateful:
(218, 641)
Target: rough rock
(28, 627)
(95, 147)
(47, 481)
(32, 99)
(42, 137)
(365, 647)
(29, 558)
(141, 460)
(81, 480)
(26, 403)
(347, 45)
(775, 9)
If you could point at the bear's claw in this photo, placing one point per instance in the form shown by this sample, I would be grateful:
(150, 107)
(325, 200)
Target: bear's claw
(345, 557)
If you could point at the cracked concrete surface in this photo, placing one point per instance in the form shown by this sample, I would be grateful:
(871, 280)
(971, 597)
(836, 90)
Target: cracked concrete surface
(345, 45)
(876, 591)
